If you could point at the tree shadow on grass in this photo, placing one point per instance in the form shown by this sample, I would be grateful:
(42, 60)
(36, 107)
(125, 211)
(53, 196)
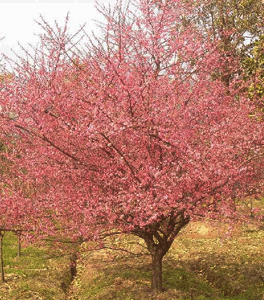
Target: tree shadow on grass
(128, 278)
(229, 277)
(208, 277)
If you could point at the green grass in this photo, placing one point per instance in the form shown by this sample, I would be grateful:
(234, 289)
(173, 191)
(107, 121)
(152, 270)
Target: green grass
(197, 267)
(38, 273)
(201, 264)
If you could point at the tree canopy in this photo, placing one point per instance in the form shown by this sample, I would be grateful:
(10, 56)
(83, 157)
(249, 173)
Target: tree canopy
(133, 136)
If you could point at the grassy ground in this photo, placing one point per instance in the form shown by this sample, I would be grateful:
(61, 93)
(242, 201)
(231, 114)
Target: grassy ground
(40, 273)
(202, 264)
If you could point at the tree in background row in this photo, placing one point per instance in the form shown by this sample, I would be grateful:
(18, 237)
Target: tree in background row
(254, 72)
(236, 25)
(131, 134)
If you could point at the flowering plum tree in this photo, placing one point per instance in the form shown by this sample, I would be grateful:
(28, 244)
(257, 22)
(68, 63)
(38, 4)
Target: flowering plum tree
(133, 135)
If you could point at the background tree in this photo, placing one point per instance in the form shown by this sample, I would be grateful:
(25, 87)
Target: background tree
(137, 137)
(236, 25)
(254, 72)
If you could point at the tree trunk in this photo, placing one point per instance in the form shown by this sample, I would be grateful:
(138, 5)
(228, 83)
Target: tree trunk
(18, 244)
(1, 254)
(156, 283)
(159, 238)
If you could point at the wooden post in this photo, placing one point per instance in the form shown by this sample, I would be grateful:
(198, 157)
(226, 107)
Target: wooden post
(1, 254)
(18, 244)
